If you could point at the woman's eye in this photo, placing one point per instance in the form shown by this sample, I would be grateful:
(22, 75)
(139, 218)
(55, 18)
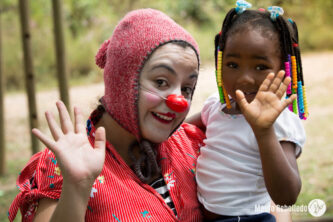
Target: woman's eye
(187, 92)
(161, 82)
(261, 67)
(232, 65)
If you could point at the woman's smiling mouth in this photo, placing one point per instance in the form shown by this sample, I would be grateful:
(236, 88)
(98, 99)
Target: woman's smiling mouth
(164, 117)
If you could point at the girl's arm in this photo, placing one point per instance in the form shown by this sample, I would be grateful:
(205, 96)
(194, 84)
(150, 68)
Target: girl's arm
(281, 215)
(279, 166)
(79, 162)
(196, 120)
(278, 159)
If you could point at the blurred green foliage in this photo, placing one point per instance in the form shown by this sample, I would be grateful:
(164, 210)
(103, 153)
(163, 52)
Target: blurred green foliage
(90, 22)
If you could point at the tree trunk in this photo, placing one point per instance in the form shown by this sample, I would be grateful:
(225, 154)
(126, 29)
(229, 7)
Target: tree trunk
(2, 113)
(29, 72)
(60, 51)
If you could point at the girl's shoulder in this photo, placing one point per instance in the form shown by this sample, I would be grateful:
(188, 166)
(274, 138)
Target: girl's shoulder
(289, 127)
(288, 121)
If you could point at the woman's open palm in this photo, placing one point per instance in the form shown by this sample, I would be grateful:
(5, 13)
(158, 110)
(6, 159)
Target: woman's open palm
(78, 160)
(262, 112)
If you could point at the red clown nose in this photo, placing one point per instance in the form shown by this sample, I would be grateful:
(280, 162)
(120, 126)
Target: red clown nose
(177, 103)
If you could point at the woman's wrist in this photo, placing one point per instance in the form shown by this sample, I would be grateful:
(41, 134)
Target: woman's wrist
(81, 189)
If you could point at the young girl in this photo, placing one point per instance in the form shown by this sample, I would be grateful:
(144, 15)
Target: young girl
(249, 157)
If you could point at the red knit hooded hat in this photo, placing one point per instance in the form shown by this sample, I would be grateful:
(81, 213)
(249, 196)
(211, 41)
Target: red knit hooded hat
(123, 56)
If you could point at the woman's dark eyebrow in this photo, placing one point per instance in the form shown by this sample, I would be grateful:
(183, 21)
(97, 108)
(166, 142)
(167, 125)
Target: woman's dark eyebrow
(163, 66)
(172, 71)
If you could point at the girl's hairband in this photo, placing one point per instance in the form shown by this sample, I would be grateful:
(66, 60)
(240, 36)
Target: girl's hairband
(275, 12)
(242, 5)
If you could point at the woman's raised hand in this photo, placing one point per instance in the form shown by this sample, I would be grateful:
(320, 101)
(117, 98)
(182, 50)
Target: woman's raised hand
(262, 112)
(79, 162)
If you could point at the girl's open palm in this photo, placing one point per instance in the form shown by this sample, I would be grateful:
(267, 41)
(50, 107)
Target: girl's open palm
(262, 112)
(79, 162)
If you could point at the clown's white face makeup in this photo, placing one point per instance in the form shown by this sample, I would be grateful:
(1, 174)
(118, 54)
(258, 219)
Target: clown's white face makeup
(171, 69)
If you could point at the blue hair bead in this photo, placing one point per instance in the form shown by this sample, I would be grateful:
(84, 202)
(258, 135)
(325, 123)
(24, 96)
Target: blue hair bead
(300, 99)
(275, 12)
(242, 5)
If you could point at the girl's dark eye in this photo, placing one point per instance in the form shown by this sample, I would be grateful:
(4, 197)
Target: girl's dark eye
(261, 67)
(232, 65)
(187, 92)
(161, 82)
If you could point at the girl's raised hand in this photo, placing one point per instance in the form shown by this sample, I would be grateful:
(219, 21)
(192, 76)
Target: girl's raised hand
(262, 112)
(79, 162)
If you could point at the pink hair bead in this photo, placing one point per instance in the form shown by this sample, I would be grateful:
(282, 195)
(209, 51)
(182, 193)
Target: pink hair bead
(287, 70)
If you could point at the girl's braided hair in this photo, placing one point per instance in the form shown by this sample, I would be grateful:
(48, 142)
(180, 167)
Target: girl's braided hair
(287, 33)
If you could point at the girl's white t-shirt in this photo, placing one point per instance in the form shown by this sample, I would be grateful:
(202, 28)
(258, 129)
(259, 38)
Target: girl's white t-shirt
(229, 171)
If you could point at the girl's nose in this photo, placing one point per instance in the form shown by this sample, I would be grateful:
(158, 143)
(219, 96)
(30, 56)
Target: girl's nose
(246, 78)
